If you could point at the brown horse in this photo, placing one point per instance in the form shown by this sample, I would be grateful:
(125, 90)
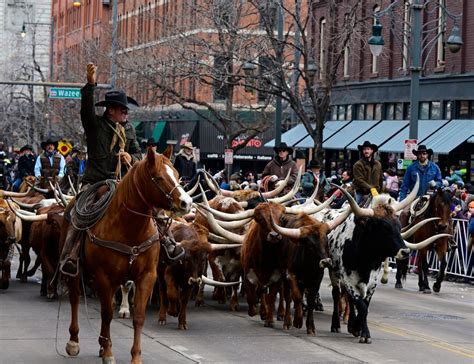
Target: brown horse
(132, 249)
(438, 205)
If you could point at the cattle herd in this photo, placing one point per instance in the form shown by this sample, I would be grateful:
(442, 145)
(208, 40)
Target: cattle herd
(260, 245)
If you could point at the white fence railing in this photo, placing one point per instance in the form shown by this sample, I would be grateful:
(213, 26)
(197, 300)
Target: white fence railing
(460, 261)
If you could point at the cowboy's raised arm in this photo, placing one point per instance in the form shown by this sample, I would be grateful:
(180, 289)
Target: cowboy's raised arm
(88, 116)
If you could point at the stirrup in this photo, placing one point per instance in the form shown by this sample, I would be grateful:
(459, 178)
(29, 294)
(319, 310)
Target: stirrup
(179, 256)
(65, 272)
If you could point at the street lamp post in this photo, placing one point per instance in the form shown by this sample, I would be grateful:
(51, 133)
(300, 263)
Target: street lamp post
(278, 105)
(420, 42)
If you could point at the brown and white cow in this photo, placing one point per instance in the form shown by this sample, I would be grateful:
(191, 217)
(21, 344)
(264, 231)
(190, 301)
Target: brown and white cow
(10, 232)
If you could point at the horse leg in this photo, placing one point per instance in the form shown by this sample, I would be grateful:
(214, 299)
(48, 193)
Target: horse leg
(106, 293)
(143, 287)
(402, 270)
(423, 272)
(72, 346)
(442, 270)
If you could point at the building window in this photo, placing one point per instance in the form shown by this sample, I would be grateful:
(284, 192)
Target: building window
(447, 110)
(465, 109)
(441, 51)
(349, 112)
(435, 111)
(346, 61)
(389, 112)
(369, 111)
(398, 111)
(341, 113)
(222, 69)
(333, 112)
(268, 14)
(361, 112)
(424, 111)
(322, 47)
(265, 77)
(375, 65)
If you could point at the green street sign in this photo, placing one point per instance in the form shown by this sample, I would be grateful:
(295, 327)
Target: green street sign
(64, 93)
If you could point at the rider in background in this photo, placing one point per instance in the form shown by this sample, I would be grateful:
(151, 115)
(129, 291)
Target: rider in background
(26, 165)
(367, 172)
(278, 167)
(428, 171)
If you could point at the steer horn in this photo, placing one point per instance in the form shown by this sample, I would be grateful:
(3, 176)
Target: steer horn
(426, 242)
(281, 186)
(214, 283)
(74, 192)
(291, 193)
(221, 231)
(212, 184)
(26, 217)
(294, 233)
(356, 209)
(413, 229)
(215, 247)
(13, 194)
(23, 205)
(195, 187)
(398, 206)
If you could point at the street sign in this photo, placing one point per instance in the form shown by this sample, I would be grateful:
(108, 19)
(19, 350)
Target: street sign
(228, 156)
(410, 144)
(64, 93)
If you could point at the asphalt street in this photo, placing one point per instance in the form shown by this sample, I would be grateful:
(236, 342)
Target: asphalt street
(406, 326)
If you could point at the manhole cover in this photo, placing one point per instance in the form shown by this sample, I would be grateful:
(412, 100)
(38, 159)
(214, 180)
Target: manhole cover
(430, 316)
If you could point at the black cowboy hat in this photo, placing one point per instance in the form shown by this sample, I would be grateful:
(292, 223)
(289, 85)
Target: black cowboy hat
(149, 142)
(118, 98)
(49, 141)
(26, 147)
(422, 148)
(283, 146)
(313, 163)
(369, 145)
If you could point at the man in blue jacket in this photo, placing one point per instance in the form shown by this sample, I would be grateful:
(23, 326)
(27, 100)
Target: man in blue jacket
(429, 172)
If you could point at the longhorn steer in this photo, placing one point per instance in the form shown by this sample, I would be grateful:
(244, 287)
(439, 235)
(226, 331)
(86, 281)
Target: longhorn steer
(8, 236)
(357, 248)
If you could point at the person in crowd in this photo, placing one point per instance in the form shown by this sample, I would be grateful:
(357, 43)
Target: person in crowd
(50, 164)
(367, 172)
(279, 166)
(392, 184)
(5, 168)
(428, 172)
(76, 165)
(454, 176)
(150, 144)
(112, 148)
(312, 176)
(184, 162)
(26, 165)
(346, 183)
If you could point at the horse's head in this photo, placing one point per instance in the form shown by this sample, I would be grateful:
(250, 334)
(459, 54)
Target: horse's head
(162, 186)
(441, 207)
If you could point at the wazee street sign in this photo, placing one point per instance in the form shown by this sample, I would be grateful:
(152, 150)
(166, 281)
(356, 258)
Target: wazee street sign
(64, 93)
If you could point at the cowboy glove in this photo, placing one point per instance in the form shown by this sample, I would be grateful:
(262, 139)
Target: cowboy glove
(125, 158)
(374, 192)
(432, 184)
(91, 74)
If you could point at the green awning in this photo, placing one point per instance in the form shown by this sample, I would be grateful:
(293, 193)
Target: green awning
(159, 127)
(136, 123)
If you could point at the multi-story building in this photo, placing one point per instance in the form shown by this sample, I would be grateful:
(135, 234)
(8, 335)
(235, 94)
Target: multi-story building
(371, 99)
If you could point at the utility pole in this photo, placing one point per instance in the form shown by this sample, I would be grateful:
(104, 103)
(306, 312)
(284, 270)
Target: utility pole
(113, 69)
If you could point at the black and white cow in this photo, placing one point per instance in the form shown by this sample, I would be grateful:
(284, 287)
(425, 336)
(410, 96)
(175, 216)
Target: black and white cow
(357, 248)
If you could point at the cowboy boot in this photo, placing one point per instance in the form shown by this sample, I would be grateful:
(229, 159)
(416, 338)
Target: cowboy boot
(172, 251)
(68, 260)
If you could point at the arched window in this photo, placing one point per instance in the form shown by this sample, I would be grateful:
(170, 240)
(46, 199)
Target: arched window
(375, 65)
(322, 47)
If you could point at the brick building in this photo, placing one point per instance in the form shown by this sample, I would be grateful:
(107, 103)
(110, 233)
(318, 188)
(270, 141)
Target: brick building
(371, 99)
